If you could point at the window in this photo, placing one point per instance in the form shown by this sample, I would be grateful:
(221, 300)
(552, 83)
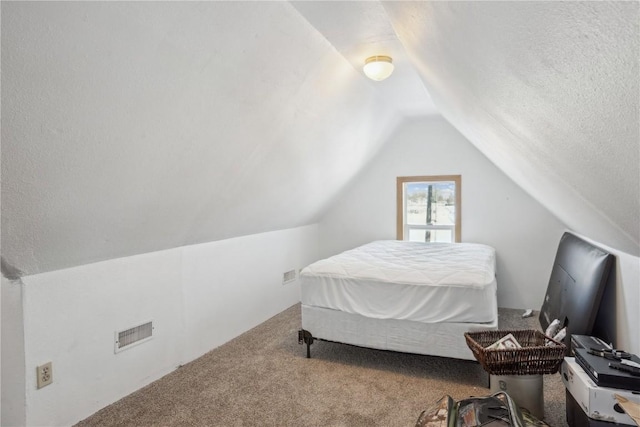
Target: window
(429, 208)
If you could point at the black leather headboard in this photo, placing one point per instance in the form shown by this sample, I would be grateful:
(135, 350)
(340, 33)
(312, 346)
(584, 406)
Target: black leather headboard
(578, 278)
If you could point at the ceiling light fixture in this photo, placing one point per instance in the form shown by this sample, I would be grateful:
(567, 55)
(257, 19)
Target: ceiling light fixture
(378, 67)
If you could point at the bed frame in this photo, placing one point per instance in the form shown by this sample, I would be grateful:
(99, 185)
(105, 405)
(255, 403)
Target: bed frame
(434, 339)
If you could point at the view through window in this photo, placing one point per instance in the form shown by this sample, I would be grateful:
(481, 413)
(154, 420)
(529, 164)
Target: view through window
(429, 208)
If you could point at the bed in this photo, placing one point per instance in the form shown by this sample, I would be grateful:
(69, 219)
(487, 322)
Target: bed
(402, 296)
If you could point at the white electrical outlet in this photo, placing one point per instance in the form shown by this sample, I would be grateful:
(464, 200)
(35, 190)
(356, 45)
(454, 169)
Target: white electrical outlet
(44, 374)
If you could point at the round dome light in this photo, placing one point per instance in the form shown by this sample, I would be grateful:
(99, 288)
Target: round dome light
(378, 67)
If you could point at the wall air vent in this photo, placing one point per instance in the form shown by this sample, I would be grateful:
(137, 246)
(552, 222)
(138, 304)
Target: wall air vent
(133, 336)
(289, 276)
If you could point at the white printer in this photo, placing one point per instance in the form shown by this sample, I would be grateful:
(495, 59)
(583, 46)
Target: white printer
(588, 404)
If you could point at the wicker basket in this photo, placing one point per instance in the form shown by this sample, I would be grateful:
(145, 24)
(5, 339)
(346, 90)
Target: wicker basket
(533, 358)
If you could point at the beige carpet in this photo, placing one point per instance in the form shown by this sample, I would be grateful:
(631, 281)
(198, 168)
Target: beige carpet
(263, 378)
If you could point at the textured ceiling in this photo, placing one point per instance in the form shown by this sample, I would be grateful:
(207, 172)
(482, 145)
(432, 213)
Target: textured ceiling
(130, 127)
(360, 29)
(549, 92)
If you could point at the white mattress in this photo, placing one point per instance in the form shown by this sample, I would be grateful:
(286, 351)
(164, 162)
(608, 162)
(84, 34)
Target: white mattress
(421, 282)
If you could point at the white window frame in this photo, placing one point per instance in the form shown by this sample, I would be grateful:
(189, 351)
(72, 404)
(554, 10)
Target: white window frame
(402, 228)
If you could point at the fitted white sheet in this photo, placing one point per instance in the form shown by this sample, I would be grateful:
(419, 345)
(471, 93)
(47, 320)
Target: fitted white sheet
(422, 282)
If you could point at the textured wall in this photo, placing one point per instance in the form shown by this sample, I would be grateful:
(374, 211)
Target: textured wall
(548, 91)
(131, 127)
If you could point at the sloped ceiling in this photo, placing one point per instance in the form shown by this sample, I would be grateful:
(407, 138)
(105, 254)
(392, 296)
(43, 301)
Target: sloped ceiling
(548, 91)
(130, 127)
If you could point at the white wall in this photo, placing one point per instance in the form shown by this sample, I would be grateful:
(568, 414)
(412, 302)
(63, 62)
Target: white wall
(198, 297)
(70, 319)
(13, 390)
(495, 211)
(233, 285)
(627, 301)
(627, 298)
